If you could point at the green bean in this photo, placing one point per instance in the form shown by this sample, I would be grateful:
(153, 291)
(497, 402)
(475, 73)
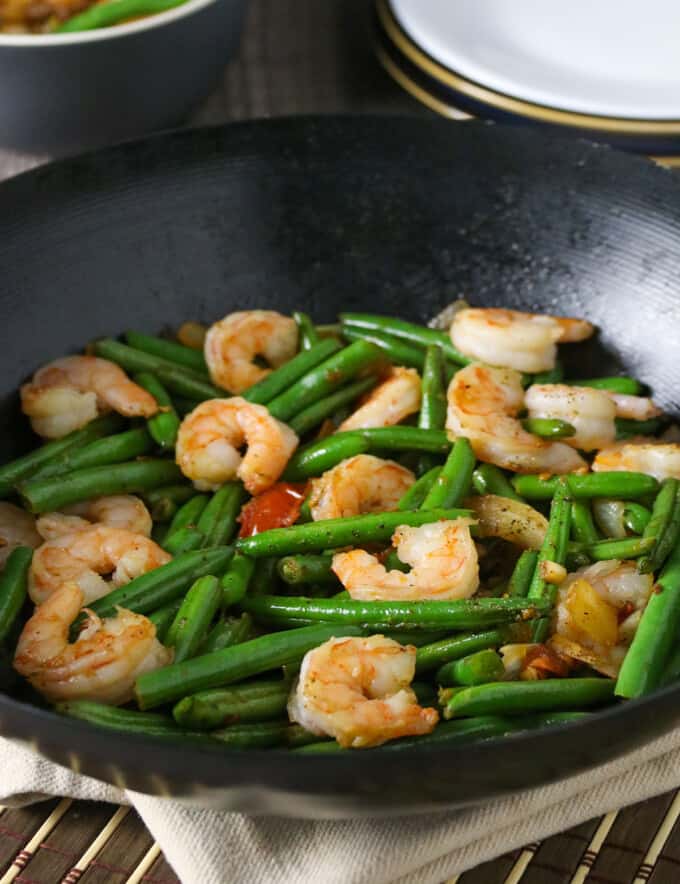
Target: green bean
(644, 662)
(295, 570)
(394, 563)
(455, 479)
(408, 331)
(306, 331)
(435, 654)
(522, 574)
(184, 405)
(281, 379)
(233, 664)
(13, 588)
(253, 735)
(626, 428)
(177, 378)
(265, 577)
(478, 668)
(460, 614)
(305, 514)
(159, 532)
(46, 495)
(548, 428)
(25, 466)
(163, 426)
(316, 458)
(582, 525)
(618, 384)
(236, 580)
(150, 724)
(636, 517)
(113, 12)
(231, 631)
(433, 406)
(249, 701)
(664, 525)
(218, 520)
(399, 352)
(184, 540)
(326, 378)
(170, 351)
(165, 584)
(419, 638)
(315, 414)
(163, 503)
(554, 548)
(621, 485)
(488, 479)
(416, 494)
(111, 449)
(190, 626)
(332, 533)
(553, 375)
(188, 514)
(604, 550)
(163, 617)
(518, 697)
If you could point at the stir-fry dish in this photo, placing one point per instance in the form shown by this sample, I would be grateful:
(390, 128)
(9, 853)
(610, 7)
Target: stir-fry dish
(67, 16)
(270, 533)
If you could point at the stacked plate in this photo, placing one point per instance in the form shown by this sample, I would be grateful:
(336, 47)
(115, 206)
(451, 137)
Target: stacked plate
(607, 69)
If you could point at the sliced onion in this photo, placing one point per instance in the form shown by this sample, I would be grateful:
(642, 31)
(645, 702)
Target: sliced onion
(508, 519)
(609, 517)
(442, 320)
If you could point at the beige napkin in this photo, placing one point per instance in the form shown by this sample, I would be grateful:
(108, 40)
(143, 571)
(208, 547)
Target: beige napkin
(209, 846)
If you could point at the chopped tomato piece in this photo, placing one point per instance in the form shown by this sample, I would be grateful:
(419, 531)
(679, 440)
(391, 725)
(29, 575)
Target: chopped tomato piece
(277, 507)
(543, 658)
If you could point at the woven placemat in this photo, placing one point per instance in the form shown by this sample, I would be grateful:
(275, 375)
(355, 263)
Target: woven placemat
(308, 56)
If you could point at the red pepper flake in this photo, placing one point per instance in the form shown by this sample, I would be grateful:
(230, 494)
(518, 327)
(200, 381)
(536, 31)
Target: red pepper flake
(278, 507)
(546, 660)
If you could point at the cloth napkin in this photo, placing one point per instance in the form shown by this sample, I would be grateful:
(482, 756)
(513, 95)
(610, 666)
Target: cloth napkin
(212, 847)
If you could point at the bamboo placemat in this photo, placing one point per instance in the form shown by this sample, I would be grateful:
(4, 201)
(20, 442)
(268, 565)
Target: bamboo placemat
(307, 56)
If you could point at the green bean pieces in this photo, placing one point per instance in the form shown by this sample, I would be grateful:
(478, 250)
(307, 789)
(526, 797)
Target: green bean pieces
(236, 580)
(478, 668)
(164, 502)
(619, 384)
(519, 697)
(307, 333)
(646, 658)
(162, 618)
(163, 426)
(619, 485)
(455, 479)
(189, 628)
(101, 452)
(113, 12)
(13, 588)
(399, 352)
(488, 479)
(407, 331)
(333, 533)
(218, 520)
(433, 406)
(582, 525)
(188, 514)
(231, 631)
(664, 526)
(171, 351)
(315, 414)
(297, 570)
(281, 379)
(636, 517)
(183, 540)
(250, 701)
(548, 428)
(554, 548)
(523, 574)
(435, 654)
(416, 494)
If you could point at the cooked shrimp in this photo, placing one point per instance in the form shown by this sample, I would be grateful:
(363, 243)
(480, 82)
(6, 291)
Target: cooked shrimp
(85, 556)
(232, 344)
(508, 519)
(637, 408)
(357, 690)
(102, 664)
(389, 403)
(211, 435)
(511, 339)
(443, 560)
(360, 484)
(591, 412)
(661, 460)
(17, 528)
(483, 402)
(598, 611)
(117, 511)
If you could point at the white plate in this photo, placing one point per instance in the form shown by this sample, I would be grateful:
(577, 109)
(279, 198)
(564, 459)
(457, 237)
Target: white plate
(615, 58)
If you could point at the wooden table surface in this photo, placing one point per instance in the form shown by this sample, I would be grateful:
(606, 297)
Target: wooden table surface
(307, 56)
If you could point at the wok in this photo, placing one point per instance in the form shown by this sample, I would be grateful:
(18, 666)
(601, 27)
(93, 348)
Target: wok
(389, 215)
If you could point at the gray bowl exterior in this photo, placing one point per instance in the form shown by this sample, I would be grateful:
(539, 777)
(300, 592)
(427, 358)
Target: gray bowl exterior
(60, 98)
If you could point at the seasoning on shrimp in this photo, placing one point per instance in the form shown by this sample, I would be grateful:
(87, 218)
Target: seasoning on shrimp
(389, 403)
(483, 403)
(443, 560)
(117, 511)
(68, 393)
(358, 691)
(104, 661)
(233, 343)
(211, 436)
(360, 484)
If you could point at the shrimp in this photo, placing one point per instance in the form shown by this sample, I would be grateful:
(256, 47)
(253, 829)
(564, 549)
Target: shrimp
(511, 339)
(85, 556)
(598, 611)
(68, 393)
(357, 690)
(591, 412)
(102, 664)
(637, 408)
(482, 404)
(658, 459)
(117, 511)
(443, 560)
(211, 435)
(511, 520)
(389, 403)
(17, 528)
(360, 484)
(232, 344)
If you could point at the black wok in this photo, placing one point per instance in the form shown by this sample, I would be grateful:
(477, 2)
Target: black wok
(391, 215)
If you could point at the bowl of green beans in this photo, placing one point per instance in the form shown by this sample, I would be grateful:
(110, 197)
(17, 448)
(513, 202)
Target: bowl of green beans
(408, 575)
(119, 69)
